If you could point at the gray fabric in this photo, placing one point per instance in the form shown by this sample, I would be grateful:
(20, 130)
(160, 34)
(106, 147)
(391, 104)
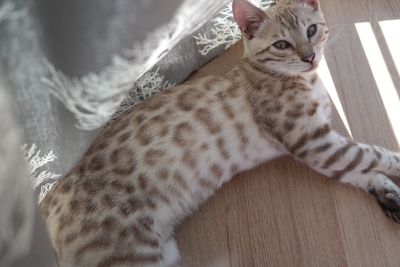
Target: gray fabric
(23, 237)
(78, 37)
(39, 251)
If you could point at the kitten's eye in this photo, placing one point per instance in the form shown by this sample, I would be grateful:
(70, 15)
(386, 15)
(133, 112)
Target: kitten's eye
(282, 44)
(312, 30)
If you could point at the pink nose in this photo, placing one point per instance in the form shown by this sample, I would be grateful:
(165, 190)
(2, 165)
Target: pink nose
(309, 59)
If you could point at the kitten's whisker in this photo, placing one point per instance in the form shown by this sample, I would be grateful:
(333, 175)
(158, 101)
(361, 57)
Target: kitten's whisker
(335, 37)
(332, 41)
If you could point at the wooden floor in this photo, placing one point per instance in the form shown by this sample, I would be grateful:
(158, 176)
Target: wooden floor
(284, 214)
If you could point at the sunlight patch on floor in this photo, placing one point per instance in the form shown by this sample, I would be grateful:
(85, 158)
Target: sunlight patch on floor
(381, 75)
(326, 77)
(391, 32)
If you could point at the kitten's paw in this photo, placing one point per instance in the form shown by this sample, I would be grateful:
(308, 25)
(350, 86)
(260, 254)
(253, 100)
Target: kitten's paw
(388, 195)
(171, 254)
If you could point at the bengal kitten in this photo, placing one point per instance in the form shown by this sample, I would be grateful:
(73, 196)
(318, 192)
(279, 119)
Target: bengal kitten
(156, 164)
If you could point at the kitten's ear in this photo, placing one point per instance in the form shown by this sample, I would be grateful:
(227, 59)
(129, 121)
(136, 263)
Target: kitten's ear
(248, 17)
(312, 3)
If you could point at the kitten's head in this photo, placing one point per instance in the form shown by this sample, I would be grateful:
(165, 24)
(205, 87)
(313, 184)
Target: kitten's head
(288, 38)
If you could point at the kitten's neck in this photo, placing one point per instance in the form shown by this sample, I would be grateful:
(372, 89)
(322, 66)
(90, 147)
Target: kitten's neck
(252, 67)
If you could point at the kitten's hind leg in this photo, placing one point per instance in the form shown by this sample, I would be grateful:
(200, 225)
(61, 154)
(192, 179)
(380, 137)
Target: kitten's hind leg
(388, 195)
(171, 254)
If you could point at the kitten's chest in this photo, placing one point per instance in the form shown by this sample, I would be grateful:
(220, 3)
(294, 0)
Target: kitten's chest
(304, 98)
(320, 95)
(290, 106)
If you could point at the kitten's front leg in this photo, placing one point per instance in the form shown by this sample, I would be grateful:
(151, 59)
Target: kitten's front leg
(360, 165)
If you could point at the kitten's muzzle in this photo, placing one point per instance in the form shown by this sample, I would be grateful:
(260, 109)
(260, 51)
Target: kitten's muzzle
(309, 58)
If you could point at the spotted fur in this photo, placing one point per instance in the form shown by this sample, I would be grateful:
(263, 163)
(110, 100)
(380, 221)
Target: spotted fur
(155, 165)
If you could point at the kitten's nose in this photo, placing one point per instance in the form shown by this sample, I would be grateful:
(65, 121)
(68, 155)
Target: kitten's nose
(309, 59)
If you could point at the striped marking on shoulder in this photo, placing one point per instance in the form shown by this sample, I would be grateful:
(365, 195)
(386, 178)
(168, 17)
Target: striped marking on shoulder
(88, 226)
(70, 238)
(65, 221)
(93, 246)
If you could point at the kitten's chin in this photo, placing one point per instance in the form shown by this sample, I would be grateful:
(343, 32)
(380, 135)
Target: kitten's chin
(304, 71)
(284, 72)
(312, 69)
(308, 71)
